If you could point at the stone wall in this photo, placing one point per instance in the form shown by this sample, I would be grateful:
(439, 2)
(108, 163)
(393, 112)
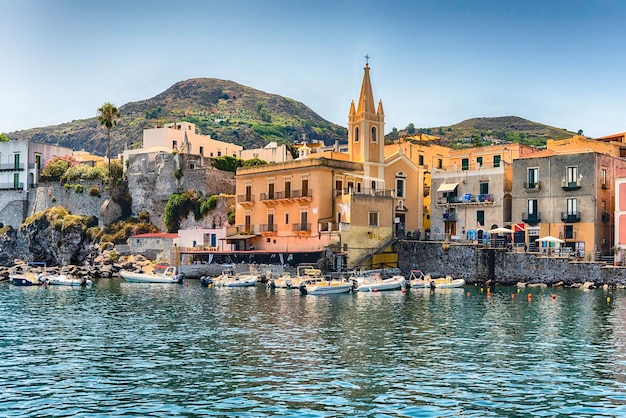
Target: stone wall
(13, 205)
(476, 265)
(47, 195)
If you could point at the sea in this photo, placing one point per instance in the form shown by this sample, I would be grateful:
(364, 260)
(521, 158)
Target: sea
(166, 350)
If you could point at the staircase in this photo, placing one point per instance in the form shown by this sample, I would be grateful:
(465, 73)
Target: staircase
(365, 255)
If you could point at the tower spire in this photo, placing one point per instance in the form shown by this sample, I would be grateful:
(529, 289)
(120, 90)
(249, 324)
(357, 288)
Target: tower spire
(366, 99)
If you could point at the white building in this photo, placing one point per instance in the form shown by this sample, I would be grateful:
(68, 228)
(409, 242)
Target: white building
(182, 136)
(271, 153)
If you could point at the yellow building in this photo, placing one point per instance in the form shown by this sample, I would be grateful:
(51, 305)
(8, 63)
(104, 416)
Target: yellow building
(353, 203)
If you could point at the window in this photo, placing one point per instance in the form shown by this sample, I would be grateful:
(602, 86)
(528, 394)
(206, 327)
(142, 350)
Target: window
(174, 144)
(305, 187)
(286, 218)
(571, 174)
(533, 177)
(38, 161)
(270, 190)
(400, 188)
(496, 160)
(201, 150)
(439, 163)
(569, 231)
(211, 154)
(373, 219)
(420, 159)
(603, 178)
(249, 193)
(532, 207)
(304, 220)
(270, 222)
(374, 136)
(484, 187)
(572, 206)
(219, 153)
(16, 159)
(465, 164)
(479, 161)
(247, 221)
(480, 218)
(338, 186)
(287, 189)
(356, 134)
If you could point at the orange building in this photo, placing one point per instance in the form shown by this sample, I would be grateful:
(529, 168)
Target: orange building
(349, 204)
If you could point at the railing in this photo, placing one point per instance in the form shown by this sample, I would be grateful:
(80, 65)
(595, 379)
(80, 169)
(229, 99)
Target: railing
(301, 227)
(369, 252)
(570, 185)
(245, 198)
(531, 218)
(268, 228)
(369, 192)
(245, 229)
(570, 217)
(11, 186)
(302, 193)
(467, 198)
(450, 216)
(11, 167)
(536, 186)
(268, 196)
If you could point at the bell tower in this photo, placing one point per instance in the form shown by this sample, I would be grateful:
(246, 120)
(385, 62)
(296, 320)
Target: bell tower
(366, 134)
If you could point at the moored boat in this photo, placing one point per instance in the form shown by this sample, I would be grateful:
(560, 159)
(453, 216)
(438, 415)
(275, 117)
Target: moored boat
(419, 280)
(160, 274)
(229, 278)
(375, 283)
(21, 275)
(326, 287)
(66, 280)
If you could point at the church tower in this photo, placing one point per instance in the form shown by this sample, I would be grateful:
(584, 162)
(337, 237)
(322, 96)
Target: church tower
(366, 134)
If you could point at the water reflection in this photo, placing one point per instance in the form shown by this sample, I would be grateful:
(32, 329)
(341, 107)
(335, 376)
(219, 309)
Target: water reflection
(137, 349)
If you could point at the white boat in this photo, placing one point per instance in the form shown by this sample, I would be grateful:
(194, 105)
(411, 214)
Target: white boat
(326, 287)
(65, 280)
(22, 275)
(304, 274)
(229, 278)
(160, 274)
(420, 280)
(375, 283)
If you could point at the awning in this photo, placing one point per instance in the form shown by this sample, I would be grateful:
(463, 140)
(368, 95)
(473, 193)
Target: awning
(447, 187)
(239, 237)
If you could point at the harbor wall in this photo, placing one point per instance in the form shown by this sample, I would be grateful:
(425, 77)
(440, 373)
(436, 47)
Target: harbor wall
(478, 264)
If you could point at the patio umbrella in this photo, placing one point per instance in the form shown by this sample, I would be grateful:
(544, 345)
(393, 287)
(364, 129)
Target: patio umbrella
(550, 238)
(500, 231)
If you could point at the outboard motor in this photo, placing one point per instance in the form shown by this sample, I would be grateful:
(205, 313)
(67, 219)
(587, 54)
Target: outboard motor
(180, 278)
(303, 290)
(205, 281)
(271, 284)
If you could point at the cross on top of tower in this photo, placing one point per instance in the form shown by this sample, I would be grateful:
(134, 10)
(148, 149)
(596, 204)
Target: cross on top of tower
(367, 58)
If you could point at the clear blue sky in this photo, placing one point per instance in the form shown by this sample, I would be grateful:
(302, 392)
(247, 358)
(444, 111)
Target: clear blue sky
(433, 63)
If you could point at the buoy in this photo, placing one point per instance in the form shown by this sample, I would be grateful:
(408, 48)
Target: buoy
(553, 296)
(519, 290)
(403, 290)
(530, 296)
(481, 289)
(512, 295)
(608, 299)
(375, 290)
(468, 293)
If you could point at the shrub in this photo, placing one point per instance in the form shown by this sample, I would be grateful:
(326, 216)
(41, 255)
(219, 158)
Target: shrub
(95, 191)
(57, 167)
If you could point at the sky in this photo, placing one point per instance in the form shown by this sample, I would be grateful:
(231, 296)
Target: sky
(433, 63)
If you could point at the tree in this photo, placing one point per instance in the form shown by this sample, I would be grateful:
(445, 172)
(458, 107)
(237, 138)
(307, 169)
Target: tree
(4, 138)
(410, 129)
(580, 132)
(109, 114)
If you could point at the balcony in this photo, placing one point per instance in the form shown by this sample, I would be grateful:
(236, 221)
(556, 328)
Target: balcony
(570, 185)
(245, 229)
(369, 192)
(468, 199)
(304, 194)
(245, 199)
(265, 196)
(268, 229)
(11, 186)
(532, 187)
(301, 228)
(449, 217)
(531, 218)
(570, 217)
(11, 167)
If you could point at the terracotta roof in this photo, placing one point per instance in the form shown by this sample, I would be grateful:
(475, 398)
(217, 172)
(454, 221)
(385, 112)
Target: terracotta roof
(162, 235)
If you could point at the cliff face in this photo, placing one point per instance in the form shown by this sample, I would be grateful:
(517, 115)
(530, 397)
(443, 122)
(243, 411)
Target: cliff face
(54, 236)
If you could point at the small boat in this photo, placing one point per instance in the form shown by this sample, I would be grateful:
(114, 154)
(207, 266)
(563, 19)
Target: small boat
(21, 275)
(160, 274)
(326, 287)
(420, 280)
(229, 278)
(375, 283)
(66, 280)
(206, 281)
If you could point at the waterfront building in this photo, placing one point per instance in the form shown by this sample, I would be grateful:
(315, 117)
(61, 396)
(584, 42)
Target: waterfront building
(271, 153)
(567, 191)
(472, 194)
(354, 203)
(619, 216)
(153, 245)
(20, 164)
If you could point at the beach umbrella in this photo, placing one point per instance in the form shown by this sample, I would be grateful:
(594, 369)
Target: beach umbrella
(500, 231)
(550, 238)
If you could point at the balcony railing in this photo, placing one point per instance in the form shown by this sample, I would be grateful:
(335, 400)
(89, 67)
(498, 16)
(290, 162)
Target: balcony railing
(268, 196)
(242, 198)
(301, 227)
(570, 217)
(302, 193)
(570, 185)
(11, 186)
(370, 192)
(531, 218)
(268, 228)
(245, 229)
(11, 167)
(449, 216)
(467, 199)
(532, 187)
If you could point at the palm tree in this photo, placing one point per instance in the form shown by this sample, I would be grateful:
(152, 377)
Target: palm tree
(109, 114)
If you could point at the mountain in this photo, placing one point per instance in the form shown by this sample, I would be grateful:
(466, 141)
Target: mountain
(223, 109)
(245, 116)
(483, 131)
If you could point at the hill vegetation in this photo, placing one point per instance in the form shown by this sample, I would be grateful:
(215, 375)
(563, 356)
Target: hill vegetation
(251, 118)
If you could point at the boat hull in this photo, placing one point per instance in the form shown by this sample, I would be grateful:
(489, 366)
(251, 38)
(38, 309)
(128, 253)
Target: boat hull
(326, 289)
(133, 277)
(380, 287)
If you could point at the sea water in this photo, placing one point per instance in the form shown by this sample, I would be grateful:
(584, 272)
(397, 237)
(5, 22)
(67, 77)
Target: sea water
(121, 349)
